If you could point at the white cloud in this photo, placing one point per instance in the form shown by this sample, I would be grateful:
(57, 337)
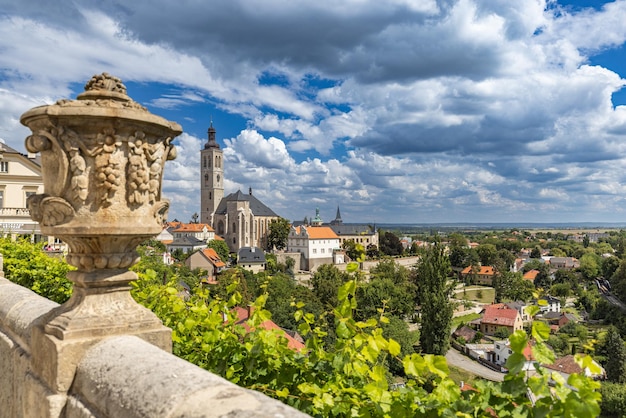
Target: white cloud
(458, 108)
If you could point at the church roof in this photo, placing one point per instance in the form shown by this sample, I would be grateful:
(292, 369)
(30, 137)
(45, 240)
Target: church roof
(256, 206)
(341, 229)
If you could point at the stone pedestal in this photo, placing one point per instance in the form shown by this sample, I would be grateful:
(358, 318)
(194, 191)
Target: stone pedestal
(102, 166)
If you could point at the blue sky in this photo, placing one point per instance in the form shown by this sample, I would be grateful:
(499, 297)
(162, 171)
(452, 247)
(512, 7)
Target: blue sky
(408, 111)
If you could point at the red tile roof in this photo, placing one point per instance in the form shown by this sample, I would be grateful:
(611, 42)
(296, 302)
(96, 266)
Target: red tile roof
(211, 255)
(565, 364)
(318, 232)
(192, 227)
(484, 270)
(531, 275)
(499, 314)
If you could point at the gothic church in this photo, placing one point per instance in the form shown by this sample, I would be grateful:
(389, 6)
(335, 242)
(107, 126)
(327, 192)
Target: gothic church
(241, 219)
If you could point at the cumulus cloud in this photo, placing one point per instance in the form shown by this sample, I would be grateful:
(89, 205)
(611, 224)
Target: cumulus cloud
(428, 110)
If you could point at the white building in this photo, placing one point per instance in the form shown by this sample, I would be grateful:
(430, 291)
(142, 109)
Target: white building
(316, 244)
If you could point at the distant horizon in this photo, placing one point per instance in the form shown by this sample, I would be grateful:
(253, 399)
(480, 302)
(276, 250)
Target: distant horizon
(498, 225)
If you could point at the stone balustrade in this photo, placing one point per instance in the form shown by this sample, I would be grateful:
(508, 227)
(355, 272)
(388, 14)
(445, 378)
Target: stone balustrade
(21, 212)
(122, 377)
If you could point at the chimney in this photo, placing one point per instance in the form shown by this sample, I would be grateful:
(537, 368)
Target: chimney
(250, 191)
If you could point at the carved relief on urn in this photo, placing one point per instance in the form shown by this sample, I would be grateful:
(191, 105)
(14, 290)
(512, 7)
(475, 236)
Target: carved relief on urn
(102, 161)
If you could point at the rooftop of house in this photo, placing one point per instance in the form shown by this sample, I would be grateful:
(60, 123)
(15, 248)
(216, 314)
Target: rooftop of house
(191, 227)
(317, 232)
(500, 314)
(187, 241)
(213, 257)
(251, 255)
(483, 270)
(531, 275)
(566, 365)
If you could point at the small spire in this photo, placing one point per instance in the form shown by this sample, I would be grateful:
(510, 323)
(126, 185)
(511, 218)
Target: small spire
(211, 143)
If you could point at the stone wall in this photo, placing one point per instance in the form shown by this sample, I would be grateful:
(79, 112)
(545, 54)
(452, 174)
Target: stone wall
(119, 376)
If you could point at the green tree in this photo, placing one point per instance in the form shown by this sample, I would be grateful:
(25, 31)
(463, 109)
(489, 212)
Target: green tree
(221, 248)
(278, 233)
(590, 265)
(609, 266)
(613, 351)
(372, 251)
(389, 243)
(353, 250)
(535, 252)
(28, 265)
(613, 400)
(326, 282)
(383, 295)
(434, 294)
(458, 250)
(488, 253)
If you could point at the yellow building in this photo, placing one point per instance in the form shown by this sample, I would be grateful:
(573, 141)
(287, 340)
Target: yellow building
(20, 177)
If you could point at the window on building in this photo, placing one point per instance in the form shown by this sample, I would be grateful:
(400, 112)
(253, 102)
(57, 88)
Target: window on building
(4, 166)
(1, 198)
(323, 251)
(27, 195)
(314, 250)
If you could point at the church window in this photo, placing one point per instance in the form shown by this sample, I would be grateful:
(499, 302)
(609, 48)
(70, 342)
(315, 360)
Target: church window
(234, 227)
(218, 180)
(206, 178)
(210, 196)
(204, 162)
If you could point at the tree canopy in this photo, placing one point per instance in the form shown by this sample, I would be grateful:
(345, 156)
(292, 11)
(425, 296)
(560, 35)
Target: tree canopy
(278, 233)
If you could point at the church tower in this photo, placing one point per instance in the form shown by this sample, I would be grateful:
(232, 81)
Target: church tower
(211, 178)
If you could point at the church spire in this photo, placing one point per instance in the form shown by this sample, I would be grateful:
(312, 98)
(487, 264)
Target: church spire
(337, 220)
(211, 143)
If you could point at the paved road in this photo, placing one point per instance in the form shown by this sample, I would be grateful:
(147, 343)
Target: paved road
(465, 363)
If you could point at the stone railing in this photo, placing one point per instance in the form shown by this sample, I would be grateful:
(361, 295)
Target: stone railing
(100, 354)
(121, 376)
(23, 212)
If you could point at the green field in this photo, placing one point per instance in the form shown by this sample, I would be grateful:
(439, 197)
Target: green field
(482, 295)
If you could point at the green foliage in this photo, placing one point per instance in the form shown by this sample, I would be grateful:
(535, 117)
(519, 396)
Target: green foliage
(278, 233)
(389, 243)
(613, 400)
(28, 265)
(221, 248)
(348, 378)
(326, 282)
(353, 250)
(590, 265)
(612, 350)
(488, 253)
(436, 307)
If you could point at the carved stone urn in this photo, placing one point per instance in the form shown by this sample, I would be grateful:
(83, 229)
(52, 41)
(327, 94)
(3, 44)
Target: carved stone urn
(102, 162)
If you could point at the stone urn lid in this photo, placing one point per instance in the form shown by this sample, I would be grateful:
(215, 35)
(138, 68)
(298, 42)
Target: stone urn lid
(103, 156)
(104, 97)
